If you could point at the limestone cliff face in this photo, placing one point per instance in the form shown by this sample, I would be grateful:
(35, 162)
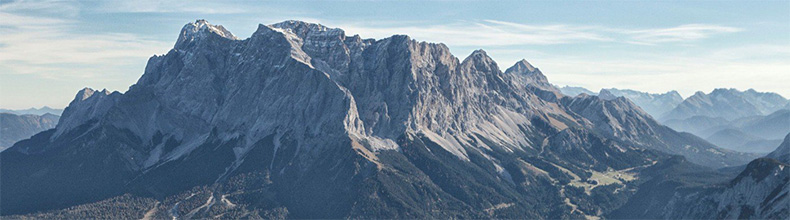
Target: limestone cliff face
(329, 126)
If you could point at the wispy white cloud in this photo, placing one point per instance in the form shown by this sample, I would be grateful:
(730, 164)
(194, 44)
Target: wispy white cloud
(170, 6)
(52, 8)
(37, 44)
(502, 33)
(687, 32)
(485, 33)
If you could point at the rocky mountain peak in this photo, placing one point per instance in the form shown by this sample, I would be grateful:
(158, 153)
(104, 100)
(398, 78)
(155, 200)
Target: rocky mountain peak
(325, 120)
(606, 95)
(522, 67)
(699, 93)
(724, 90)
(480, 60)
(304, 29)
(532, 76)
(84, 93)
(87, 105)
(675, 94)
(87, 93)
(201, 29)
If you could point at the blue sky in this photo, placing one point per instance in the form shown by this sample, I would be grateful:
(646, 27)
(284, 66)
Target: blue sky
(51, 49)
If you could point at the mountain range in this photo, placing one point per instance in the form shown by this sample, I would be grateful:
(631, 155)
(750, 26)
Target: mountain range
(14, 127)
(654, 104)
(729, 104)
(301, 121)
(747, 121)
(574, 91)
(761, 119)
(33, 111)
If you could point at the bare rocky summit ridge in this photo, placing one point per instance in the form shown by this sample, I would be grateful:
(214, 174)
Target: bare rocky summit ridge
(300, 120)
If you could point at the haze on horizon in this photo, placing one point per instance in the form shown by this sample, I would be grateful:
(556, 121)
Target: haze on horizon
(51, 49)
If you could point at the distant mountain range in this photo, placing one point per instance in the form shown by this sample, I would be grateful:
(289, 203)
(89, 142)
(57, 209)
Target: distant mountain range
(33, 111)
(301, 121)
(748, 134)
(729, 104)
(574, 91)
(653, 104)
(14, 127)
(747, 121)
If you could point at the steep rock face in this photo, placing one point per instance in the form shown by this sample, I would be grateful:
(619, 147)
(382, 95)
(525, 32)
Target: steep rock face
(727, 103)
(302, 121)
(88, 105)
(18, 127)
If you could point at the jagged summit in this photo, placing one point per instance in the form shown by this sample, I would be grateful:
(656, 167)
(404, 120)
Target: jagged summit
(314, 124)
(481, 62)
(86, 93)
(522, 66)
(382, 88)
(478, 55)
(302, 29)
(201, 29)
(88, 104)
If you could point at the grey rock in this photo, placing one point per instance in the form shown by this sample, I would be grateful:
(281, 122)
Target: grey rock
(303, 121)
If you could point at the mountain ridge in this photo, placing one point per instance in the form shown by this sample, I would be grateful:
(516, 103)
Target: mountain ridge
(18, 127)
(301, 121)
(727, 103)
(33, 111)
